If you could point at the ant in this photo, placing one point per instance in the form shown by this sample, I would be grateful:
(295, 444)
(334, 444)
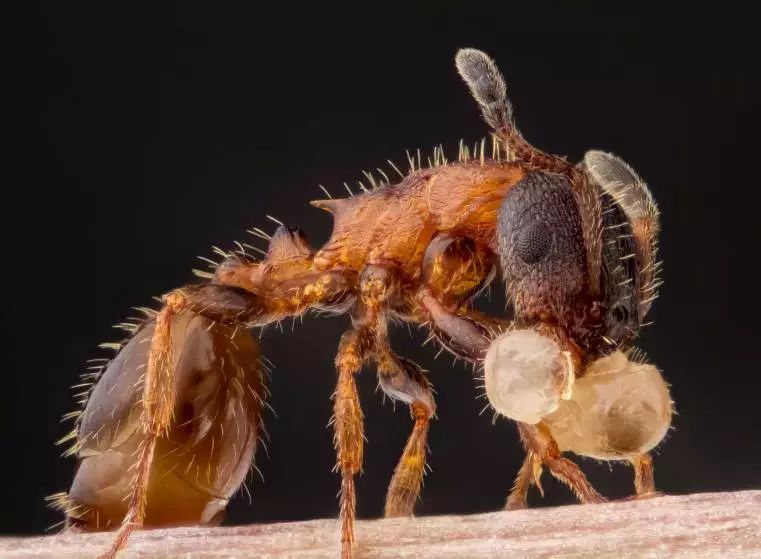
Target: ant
(171, 424)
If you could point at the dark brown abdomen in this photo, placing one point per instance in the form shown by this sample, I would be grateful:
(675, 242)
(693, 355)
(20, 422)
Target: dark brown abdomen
(209, 449)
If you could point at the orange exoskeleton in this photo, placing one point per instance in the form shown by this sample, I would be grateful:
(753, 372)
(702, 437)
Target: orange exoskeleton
(170, 427)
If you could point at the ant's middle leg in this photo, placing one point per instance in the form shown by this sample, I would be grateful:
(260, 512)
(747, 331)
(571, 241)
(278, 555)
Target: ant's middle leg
(403, 380)
(348, 426)
(376, 285)
(399, 378)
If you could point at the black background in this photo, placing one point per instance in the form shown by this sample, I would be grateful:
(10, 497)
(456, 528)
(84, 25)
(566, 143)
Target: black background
(150, 133)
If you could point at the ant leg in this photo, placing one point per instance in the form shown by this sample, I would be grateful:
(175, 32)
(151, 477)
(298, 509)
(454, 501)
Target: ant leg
(214, 430)
(348, 427)
(222, 303)
(530, 472)
(377, 283)
(366, 339)
(465, 333)
(404, 380)
(158, 406)
(469, 335)
(538, 440)
(644, 480)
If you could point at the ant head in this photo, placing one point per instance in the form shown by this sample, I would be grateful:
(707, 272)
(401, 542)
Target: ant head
(557, 263)
(541, 245)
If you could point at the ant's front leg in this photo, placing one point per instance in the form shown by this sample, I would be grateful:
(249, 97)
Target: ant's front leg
(527, 375)
(644, 477)
(542, 450)
(468, 335)
(454, 269)
(465, 333)
(529, 474)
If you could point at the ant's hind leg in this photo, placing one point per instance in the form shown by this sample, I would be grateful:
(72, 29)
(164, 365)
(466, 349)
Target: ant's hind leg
(156, 416)
(405, 381)
(158, 395)
(222, 303)
(205, 454)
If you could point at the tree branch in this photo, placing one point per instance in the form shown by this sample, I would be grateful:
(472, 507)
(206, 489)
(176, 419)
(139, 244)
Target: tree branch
(725, 525)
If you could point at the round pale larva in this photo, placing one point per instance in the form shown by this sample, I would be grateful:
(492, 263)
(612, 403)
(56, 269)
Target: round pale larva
(619, 409)
(526, 375)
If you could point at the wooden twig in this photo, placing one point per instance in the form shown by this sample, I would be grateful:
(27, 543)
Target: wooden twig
(721, 525)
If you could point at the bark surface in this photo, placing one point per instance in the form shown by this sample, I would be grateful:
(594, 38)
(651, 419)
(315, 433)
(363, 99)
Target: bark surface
(725, 525)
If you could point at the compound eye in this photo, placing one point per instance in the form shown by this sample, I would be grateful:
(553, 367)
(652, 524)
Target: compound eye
(534, 242)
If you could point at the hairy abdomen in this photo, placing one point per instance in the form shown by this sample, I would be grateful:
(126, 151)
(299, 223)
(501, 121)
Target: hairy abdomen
(209, 449)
